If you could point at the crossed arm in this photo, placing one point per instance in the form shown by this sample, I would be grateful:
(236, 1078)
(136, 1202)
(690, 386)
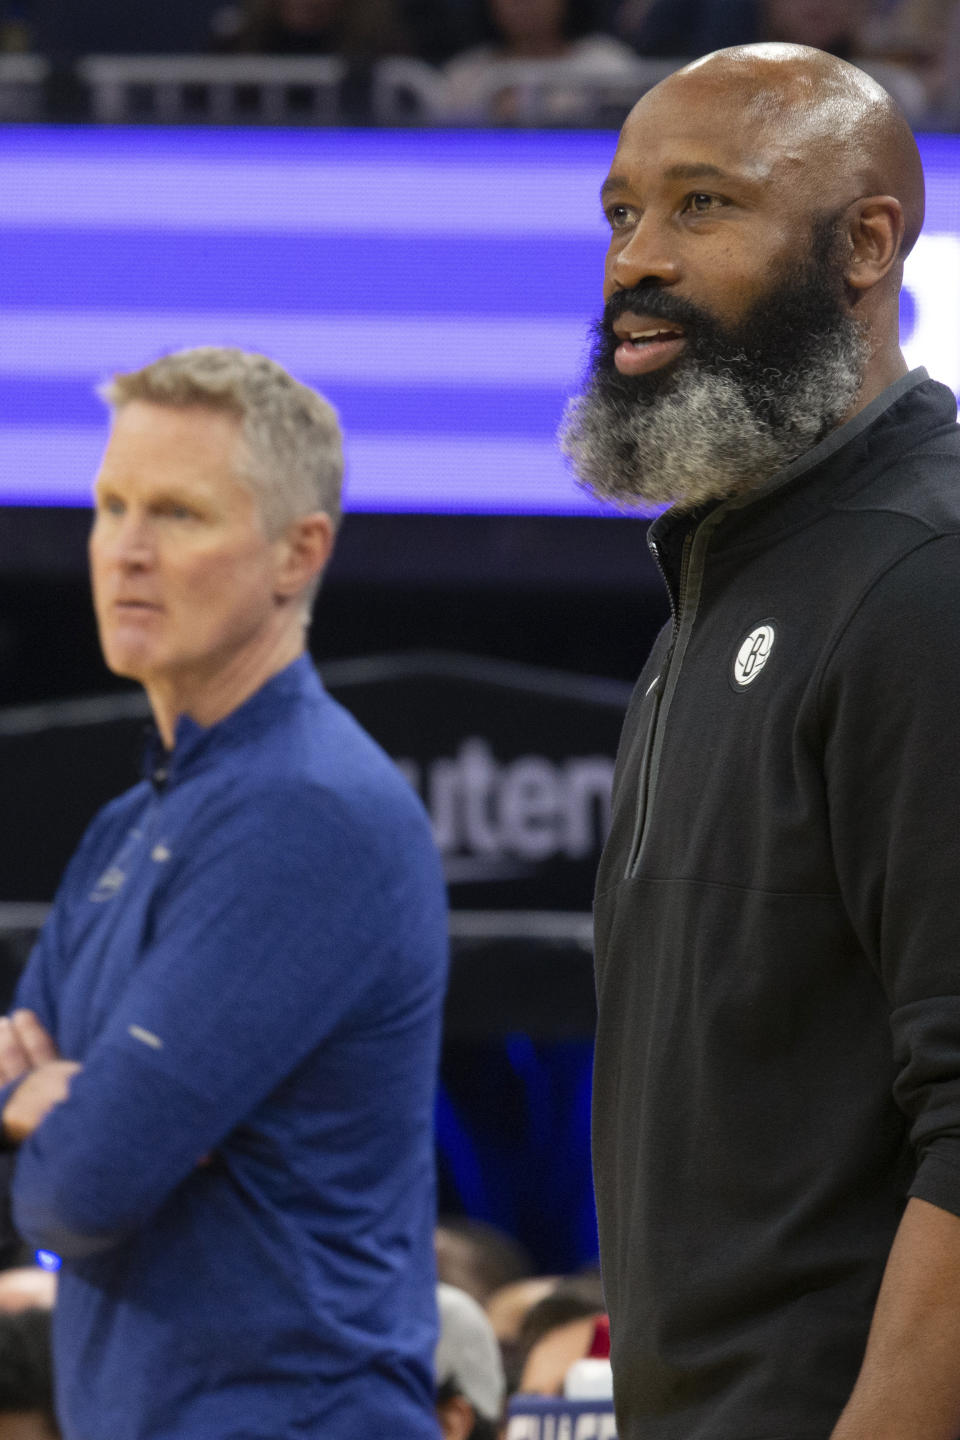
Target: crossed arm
(909, 1385)
(29, 1055)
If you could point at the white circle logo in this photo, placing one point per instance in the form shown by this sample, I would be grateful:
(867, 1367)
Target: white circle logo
(753, 654)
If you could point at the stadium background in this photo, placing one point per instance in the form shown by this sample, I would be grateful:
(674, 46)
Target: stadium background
(481, 616)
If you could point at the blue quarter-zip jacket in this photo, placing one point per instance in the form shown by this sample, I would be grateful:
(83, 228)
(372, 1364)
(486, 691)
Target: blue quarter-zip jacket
(247, 955)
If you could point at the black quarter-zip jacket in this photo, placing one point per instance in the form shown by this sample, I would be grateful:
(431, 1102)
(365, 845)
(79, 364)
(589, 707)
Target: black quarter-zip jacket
(778, 932)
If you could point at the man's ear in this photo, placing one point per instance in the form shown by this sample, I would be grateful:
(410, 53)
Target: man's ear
(876, 234)
(304, 549)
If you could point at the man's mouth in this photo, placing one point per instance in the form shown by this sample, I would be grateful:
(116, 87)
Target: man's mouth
(646, 346)
(128, 606)
(655, 332)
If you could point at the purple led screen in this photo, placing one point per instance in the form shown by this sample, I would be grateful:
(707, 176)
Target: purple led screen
(438, 287)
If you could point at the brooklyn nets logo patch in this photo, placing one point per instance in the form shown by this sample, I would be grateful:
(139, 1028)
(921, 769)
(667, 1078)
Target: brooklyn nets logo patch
(753, 653)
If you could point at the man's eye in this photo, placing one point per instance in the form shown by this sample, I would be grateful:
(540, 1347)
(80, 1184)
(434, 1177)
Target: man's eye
(700, 202)
(110, 505)
(620, 216)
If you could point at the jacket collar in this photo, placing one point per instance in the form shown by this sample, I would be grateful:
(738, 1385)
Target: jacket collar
(195, 746)
(904, 414)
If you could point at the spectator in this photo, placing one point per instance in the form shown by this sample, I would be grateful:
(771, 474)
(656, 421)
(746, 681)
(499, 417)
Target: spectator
(361, 31)
(478, 1257)
(508, 1307)
(470, 1384)
(521, 1313)
(692, 27)
(683, 28)
(566, 1326)
(561, 31)
(313, 27)
(946, 108)
(915, 35)
(26, 1380)
(549, 1360)
(907, 30)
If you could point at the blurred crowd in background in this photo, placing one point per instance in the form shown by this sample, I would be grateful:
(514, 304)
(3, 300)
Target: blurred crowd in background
(503, 1331)
(911, 45)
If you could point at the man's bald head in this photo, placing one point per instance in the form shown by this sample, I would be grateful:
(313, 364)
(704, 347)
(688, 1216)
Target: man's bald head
(835, 127)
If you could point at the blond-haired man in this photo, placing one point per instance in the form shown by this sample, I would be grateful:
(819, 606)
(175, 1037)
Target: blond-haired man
(221, 1065)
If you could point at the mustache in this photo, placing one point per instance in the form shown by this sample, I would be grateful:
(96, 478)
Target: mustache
(656, 302)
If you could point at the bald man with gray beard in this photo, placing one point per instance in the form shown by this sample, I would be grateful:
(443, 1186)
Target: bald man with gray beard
(777, 1086)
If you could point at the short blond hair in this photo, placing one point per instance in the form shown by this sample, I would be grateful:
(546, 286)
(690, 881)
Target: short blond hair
(291, 434)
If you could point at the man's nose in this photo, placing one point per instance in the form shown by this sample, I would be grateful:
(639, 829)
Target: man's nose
(647, 255)
(133, 545)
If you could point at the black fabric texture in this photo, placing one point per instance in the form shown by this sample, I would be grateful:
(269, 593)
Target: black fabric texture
(777, 929)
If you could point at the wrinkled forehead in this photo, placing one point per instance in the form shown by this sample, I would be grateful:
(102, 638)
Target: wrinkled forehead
(694, 118)
(792, 134)
(657, 137)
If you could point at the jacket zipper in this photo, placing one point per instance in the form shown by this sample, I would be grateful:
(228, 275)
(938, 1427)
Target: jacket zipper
(665, 683)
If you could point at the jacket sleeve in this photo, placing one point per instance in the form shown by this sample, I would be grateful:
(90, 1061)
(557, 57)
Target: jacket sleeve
(37, 985)
(264, 942)
(35, 991)
(891, 714)
(49, 959)
(40, 980)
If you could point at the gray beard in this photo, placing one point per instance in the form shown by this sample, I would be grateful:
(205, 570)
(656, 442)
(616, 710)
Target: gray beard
(706, 435)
